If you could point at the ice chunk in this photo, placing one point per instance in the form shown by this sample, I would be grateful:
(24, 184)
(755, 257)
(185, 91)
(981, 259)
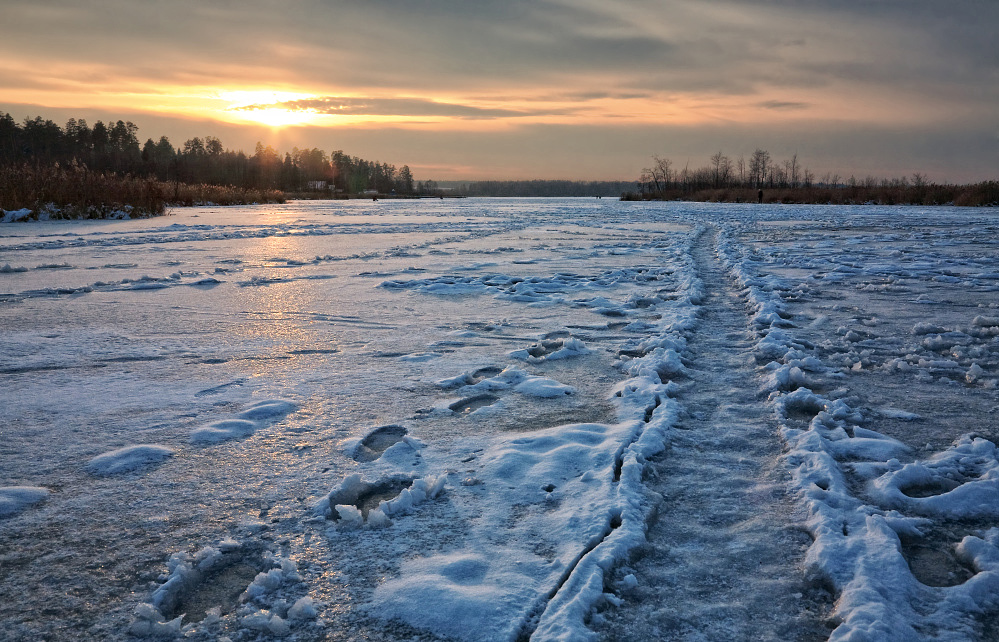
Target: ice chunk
(278, 626)
(350, 516)
(303, 609)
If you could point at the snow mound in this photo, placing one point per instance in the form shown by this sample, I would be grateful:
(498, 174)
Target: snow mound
(14, 499)
(223, 431)
(268, 410)
(128, 459)
(11, 216)
(247, 422)
(522, 382)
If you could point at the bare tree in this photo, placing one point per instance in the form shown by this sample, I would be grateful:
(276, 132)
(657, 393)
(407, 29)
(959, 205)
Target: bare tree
(722, 166)
(657, 178)
(664, 169)
(759, 167)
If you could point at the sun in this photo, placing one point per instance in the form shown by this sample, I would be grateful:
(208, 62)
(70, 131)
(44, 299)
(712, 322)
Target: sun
(264, 106)
(277, 117)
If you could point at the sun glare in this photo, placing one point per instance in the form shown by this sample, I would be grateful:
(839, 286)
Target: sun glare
(263, 107)
(277, 117)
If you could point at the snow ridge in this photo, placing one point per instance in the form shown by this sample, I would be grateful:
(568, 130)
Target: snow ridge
(857, 546)
(645, 399)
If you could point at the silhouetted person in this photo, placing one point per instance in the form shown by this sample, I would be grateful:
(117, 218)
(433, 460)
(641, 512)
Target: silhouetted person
(759, 195)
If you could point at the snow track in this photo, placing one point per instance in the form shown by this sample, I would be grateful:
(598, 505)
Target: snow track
(723, 557)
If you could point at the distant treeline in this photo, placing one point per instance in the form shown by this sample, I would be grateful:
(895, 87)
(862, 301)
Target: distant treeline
(740, 181)
(116, 148)
(548, 188)
(34, 147)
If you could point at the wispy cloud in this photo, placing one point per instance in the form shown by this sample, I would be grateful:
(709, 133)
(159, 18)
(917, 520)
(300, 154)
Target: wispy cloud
(783, 105)
(401, 107)
(484, 71)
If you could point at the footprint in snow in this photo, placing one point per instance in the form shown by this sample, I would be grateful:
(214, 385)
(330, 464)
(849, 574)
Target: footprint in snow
(479, 388)
(377, 442)
(355, 502)
(220, 388)
(471, 404)
(214, 582)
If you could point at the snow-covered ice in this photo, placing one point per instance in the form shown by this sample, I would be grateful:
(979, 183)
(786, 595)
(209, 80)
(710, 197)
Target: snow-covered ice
(488, 419)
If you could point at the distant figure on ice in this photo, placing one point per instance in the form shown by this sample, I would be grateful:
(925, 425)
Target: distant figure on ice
(759, 195)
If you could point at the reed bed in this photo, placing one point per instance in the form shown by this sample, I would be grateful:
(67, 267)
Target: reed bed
(75, 192)
(187, 195)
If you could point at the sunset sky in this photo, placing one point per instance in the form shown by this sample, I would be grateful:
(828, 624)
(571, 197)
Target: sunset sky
(580, 89)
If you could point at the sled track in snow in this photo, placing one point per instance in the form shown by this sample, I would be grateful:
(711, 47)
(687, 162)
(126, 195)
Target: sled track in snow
(724, 555)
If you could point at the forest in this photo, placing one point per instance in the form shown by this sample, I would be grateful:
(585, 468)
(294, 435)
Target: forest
(94, 171)
(766, 179)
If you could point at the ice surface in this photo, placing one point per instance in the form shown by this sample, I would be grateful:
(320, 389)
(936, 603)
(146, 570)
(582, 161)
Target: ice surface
(435, 419)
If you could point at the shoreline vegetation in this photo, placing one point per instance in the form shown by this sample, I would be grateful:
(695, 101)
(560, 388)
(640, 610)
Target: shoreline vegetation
(79, 171)
(75, 192)
(99, 172)
(766, 180)
(985, 194)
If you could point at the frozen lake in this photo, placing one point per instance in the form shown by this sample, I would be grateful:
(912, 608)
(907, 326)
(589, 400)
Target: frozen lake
(487, 419)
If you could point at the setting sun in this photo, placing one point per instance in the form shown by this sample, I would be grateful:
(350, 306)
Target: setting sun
(276, 117)
(256, 106)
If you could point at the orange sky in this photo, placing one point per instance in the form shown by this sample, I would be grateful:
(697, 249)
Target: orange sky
(528, 88)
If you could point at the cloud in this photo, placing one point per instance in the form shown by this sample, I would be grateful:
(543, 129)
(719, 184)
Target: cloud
(403, 107)
(783, 105)
(718, 67)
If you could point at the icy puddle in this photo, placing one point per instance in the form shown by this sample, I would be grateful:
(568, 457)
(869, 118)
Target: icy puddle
(501, 420)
